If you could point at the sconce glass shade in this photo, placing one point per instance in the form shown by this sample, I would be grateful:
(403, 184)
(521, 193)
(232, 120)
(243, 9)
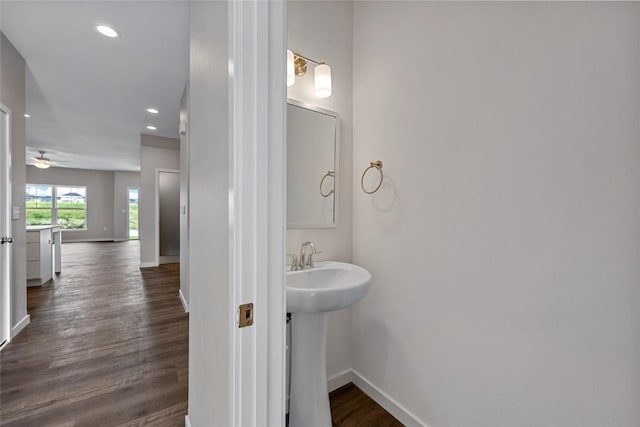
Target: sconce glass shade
(322, 80)
(291, 75)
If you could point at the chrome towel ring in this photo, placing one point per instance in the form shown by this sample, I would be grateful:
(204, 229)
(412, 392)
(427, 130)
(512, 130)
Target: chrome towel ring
(373, 165)
(331, 174)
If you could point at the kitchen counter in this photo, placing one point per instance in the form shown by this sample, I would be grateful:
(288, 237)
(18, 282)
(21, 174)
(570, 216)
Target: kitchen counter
(43, 227)
(44, 255)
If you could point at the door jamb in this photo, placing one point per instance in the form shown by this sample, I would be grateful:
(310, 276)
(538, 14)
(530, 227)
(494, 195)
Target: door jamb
(257, 190)
(7, 269)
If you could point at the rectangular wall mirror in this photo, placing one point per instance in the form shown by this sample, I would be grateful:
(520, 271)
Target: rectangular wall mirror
(312, 166)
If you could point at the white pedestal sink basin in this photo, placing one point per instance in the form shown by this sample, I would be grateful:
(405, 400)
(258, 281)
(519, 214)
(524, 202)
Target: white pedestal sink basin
(311, 294)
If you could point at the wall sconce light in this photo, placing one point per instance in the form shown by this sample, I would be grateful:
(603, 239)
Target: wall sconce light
(297, 67)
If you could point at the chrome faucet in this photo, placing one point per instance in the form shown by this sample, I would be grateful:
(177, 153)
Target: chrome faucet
(306, 261)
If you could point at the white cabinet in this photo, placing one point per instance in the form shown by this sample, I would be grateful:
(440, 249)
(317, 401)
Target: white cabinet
(40, 250)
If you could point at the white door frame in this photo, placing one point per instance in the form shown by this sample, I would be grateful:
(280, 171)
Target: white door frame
(5, 281)
(157, 225)
(257, 189)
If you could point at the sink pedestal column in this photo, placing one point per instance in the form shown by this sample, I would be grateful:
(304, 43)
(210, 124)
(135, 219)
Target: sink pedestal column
(309, 393)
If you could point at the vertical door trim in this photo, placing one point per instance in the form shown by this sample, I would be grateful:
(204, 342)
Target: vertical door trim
(5, 168)
(257, 106)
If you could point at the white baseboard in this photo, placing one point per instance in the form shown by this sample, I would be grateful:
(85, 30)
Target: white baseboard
(338, 380)
(187, 421)
(20, 325)
(148, 264)
(384, 400)
(88, 240)
(184, 302)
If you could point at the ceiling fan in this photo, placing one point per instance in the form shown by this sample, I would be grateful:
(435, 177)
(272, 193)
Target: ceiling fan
(43, 162)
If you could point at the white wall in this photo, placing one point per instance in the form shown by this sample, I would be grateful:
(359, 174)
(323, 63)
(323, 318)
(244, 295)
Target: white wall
(504, 243)
(156, 152)
(100, 196)
(184, 197)
(122, 181)
(209, 320)
(322, 30)
(12, 95)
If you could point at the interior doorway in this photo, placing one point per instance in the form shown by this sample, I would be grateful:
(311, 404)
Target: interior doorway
(5, 228)
(168, 221)
(132, 215)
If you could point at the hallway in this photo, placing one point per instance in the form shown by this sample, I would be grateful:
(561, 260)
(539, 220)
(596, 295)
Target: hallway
(107, 345)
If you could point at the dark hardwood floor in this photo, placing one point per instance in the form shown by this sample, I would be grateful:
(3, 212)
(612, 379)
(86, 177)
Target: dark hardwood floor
(107, 345)
(350, 407)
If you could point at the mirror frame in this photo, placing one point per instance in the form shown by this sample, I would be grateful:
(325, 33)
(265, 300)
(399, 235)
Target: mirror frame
(336, 164)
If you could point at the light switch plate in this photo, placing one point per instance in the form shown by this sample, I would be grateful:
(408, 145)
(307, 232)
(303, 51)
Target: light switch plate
(15, 212)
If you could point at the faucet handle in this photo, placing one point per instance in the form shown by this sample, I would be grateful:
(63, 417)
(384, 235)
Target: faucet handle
(294, 262)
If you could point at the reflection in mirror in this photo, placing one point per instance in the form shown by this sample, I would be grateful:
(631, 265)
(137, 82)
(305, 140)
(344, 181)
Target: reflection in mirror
(312, 163)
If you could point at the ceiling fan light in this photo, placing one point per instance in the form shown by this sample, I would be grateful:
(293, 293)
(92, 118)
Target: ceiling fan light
(41, 162)
(42, 165)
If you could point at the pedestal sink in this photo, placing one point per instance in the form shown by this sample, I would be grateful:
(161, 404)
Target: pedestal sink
(311, 294)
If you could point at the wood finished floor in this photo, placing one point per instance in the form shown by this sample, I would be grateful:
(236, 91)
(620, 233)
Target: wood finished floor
(351, 407)
(107, 345)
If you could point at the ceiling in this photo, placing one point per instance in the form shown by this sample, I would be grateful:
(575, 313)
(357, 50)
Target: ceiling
(86, 93)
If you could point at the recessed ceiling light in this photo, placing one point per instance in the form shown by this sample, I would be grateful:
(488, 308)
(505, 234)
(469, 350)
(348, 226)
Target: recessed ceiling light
(152, 110)
(107, 31)
(152, 127)
(27, 115)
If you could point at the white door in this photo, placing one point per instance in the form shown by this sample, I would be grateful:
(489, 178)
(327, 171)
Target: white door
(5, 226)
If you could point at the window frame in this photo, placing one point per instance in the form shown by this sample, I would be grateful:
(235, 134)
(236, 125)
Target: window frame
(49, 209)
(54, 205)
(86, 204)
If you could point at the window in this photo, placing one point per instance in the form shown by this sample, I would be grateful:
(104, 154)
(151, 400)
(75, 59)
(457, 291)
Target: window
(71, 207)
(62, 205)
(39, 204)
(133, 213)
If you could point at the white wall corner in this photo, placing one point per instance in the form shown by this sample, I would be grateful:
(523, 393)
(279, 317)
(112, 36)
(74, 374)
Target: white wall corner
(338, 380)
(184, 302)
(187, 421)
(389, 404)
(20, 325)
